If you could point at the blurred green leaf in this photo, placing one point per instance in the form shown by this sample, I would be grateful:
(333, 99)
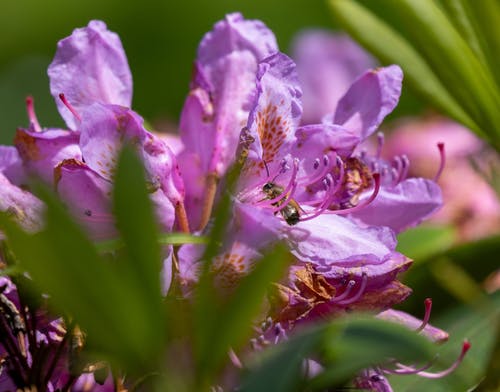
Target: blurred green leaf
(480, 325)
(422, 242)
(234, 318)
(137, 225)
(438, 62)
(346, 346)
(390, 47)
(122, 317)
(163, 239)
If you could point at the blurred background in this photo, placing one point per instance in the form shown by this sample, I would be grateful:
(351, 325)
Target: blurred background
(160, 39)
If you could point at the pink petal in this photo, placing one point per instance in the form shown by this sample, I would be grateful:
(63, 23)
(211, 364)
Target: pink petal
(90, 66)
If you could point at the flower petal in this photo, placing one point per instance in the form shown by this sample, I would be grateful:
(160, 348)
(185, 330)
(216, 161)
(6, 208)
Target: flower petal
(331, 239)
(88, 196)
(11, 164)
(22, 205)
(402, 206)
(104, 130)
(90, 66)
(327, 65)
(225, 72)
(371, 97)
(277, 111)
(41, 152)
(434, 334)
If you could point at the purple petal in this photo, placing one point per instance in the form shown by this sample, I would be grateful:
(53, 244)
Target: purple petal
(23, 206)
(327, 65)
(88, 196)
(277, 111)
(331, 239)
(402, 206)
(41, 152)
(90, 66)
(104, 130)
(434, 334)
(11, 165)
(225, 73)
(371, 97)
(314, 141)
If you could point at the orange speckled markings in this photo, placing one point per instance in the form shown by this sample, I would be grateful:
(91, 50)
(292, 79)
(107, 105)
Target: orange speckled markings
(26, 145)
(229, 269)
(66, 162)
(272, 130)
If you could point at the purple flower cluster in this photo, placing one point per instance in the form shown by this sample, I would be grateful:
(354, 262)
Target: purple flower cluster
(304, 180)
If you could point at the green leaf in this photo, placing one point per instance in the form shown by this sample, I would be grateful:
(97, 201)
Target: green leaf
(453, 61)
(346, 346)
(423, 242)
(480, 325)
(234, 318)
(104, 302)
(355, 343)
(391, 47)
(138, 228)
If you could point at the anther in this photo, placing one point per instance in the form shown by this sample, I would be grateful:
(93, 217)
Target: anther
(442, 163)
(30, 108)
(376, 189)
(427, 315)
(70, 107)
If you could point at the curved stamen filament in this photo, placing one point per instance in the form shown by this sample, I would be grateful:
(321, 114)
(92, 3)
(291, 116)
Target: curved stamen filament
(359, 293)
(427, 315)
(347, 291)
(30, 108)
(376, 189)
(406, 166)
(398, 167)
(402, 369)
(442, 163)
(70, 107)
(465, 347)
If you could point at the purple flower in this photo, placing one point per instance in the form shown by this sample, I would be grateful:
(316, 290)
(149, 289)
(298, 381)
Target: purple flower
(218, 104)
(327, 65)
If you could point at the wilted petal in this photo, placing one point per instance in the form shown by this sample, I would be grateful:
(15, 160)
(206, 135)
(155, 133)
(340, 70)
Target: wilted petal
(327, 64)
(88, 196)
(371, 97)
(432, 333)
(25, 208)
(90, 66)
(41, 152)
(331, 239)
(402, 206)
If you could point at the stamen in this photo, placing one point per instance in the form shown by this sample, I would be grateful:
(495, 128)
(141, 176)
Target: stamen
(402, 369)
(305, 181)
(427, 315)
(70, 107)
(346, 292)
(376, 179)
(30, 107)
(465, 347)
(380, 144)
(359, 293)
(442, 163)
(405, 167)
(234, 359)
(398, 169)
